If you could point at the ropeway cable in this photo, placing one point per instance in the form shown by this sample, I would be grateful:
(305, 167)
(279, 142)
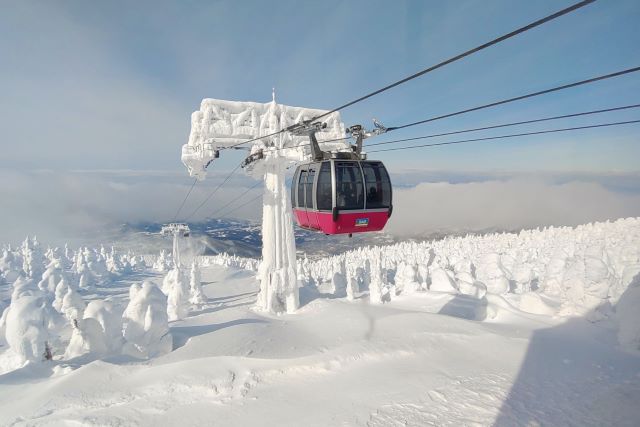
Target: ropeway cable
(490, 138)
(243, 205)
(518, 98)
(235, 199)
(420, 73)
(564, 116)
(213, 192)
(184, 200)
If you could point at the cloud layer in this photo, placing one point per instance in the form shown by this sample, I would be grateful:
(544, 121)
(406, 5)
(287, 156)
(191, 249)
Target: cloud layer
(511, 204)
(59, 206)
(64, 205)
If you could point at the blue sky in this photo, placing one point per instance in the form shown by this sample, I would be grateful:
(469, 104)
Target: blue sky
(111, 85)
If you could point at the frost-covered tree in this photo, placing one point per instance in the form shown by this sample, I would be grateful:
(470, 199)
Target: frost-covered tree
(442, 280)
(51, 276)
(176, 288)
(163, 262)
(196, 295)
(145, 322)
(491, 272)
(33, 263)
(110, 320)
(73, 305)
(353, 288)
(10, 265)
(31, 324)
(375, 278)
(87, 337)
(338, 278)
(61, 290)
(406, 278)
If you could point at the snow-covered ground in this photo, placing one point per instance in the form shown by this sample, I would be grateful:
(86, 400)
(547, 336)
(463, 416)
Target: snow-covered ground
(536, 328)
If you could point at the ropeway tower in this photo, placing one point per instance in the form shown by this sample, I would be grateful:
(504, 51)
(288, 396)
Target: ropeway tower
(220, 125)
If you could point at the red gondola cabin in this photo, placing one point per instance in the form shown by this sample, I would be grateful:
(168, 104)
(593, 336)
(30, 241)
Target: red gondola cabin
(342, 196)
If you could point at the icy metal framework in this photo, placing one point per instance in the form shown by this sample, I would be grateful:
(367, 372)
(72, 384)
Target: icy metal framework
(176, 230)
(220, 125)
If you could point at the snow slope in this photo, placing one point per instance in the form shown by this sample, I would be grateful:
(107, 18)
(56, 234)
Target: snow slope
(340, 363)
(424, 357)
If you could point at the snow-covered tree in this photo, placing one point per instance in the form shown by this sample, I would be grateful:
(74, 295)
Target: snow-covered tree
(73, 305)
(196, 296)
(375, 278)
(110, 320)
(176, 287)
(145, 322)
(33, 263)
(30, 327)
(61, 290)
(51, 276)
(87, 337)
(163, 262)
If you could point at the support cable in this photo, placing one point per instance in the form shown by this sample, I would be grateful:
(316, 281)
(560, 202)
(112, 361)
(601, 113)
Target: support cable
(463, 55)
(243, 205)
(235, 199)
(184, 200)
(518, 98)
(564, 116)
(502, 38)
(213, 192)
(490, 138)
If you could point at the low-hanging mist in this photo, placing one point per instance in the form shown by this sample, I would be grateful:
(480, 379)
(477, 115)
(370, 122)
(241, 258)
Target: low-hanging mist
(513, 204)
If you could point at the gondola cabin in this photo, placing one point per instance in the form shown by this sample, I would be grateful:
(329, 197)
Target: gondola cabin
(342, 196)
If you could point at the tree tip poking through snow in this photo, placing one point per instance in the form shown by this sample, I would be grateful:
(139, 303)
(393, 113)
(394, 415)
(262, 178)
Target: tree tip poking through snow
(145, 322)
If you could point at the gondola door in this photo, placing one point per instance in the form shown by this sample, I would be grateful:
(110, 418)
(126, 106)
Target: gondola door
(297, 197)
(309, 194)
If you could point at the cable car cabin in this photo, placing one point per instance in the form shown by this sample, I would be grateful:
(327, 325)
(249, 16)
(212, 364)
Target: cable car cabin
(342, 196)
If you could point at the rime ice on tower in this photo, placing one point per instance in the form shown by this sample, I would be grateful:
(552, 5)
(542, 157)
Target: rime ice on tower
(221, 124)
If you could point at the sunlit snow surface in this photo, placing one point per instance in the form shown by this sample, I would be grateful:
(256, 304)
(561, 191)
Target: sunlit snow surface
(421, 358)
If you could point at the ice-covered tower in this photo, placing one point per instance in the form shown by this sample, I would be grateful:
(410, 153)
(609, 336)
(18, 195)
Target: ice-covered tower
(222, 124)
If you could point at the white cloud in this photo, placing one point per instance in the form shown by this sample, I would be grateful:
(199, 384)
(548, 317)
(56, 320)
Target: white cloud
(58, 206)
(505, 205)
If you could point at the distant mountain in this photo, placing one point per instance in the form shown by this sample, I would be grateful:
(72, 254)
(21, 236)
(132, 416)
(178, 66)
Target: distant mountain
(242, 238)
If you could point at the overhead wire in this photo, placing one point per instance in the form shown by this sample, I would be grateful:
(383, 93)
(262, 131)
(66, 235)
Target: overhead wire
(235, 199)
(496, 103)
(243, 205)
(518, 98)
(213, 192)
(184, 200)
(441, 64)
(490, 138)
(502, 125)
(504, 37)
